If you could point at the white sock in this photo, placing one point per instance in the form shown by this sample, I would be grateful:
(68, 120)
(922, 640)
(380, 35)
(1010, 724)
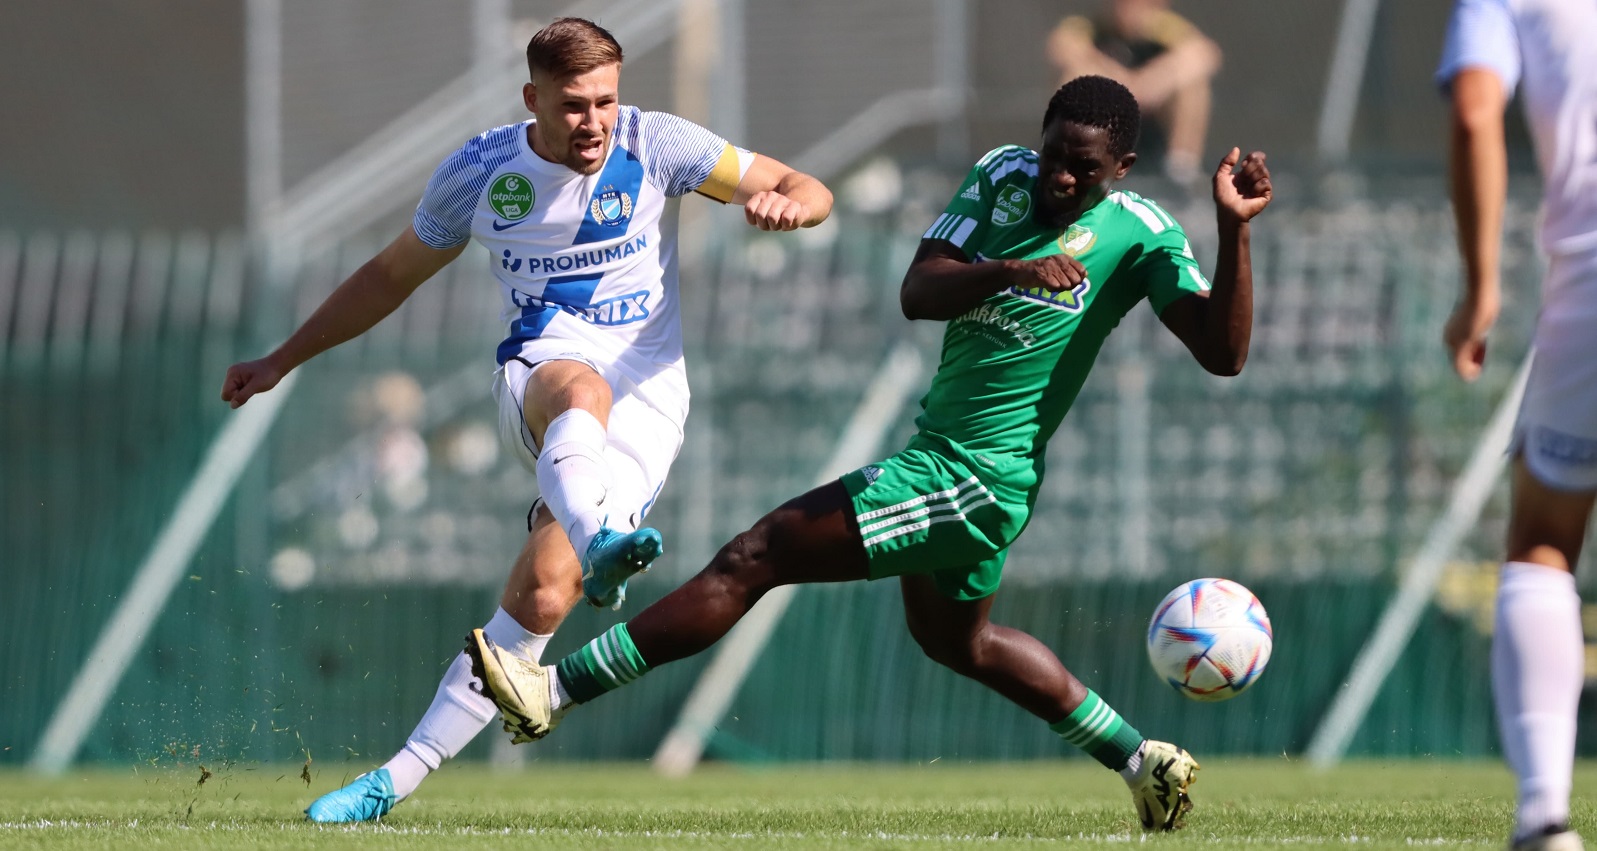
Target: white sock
(1538, 669)
(573, 478)
(1134, 765)
(504, 630)
(457, 713)
(629, 490)
(558, 696)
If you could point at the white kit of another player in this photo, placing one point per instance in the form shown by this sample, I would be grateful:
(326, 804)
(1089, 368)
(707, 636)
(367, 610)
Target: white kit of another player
(1548, 50)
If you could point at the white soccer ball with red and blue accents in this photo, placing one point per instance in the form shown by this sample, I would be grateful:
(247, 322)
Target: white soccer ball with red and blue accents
(1210, 639)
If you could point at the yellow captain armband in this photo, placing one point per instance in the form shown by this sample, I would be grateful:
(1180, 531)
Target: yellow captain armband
(722, 184)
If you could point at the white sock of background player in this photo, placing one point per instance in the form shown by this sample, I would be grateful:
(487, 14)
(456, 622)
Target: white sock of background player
(573, 478)
(457, 713)
(1538, 669)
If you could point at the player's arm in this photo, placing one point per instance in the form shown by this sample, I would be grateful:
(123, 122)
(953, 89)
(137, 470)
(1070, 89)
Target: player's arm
(942, 283)
(361, 301)
(775, 197)
(1478, 177)
(1216, 326)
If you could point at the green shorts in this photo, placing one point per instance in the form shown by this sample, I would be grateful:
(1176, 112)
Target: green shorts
(926, 512)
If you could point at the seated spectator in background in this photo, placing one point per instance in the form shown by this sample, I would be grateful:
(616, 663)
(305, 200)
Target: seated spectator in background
(1161, 57)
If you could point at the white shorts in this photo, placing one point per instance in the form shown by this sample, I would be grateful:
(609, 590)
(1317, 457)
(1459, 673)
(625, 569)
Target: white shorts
(1557, 429)
(647, 411)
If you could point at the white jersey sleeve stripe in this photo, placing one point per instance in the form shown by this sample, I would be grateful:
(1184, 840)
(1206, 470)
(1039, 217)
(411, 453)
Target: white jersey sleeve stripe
(443, 218)
(1480, 34)
(681, 154)
(1147, 216)
(1024, 164)
(966, 226)
(1159, 211)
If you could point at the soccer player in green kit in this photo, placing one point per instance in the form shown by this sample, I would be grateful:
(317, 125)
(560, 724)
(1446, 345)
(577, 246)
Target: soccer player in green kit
(1034, 262)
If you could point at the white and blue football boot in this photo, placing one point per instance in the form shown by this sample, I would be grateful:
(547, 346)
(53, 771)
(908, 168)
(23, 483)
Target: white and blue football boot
(613, 558)
(367, 798)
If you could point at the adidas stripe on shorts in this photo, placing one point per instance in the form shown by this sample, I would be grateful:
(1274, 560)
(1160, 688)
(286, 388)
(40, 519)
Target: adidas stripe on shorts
(925, 511)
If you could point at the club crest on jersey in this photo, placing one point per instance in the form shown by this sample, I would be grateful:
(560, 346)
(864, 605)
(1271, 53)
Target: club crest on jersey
(1076, 240)
(1012, 206)
(511, 197)
(612, 207)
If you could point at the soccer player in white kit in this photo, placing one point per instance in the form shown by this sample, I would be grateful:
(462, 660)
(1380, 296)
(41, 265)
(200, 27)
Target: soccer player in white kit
(1538, 653)
(576, 208)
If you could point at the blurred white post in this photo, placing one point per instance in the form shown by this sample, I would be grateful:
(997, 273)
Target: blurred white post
(952, 72)
(729, 109)
(1345, 79)
(1131, 450)
(1403, 613)
(896, 381)
(263, 113)
(491, 31)
(697, 60)
(137, 610)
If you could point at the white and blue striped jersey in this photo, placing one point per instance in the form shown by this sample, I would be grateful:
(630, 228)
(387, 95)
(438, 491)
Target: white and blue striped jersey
(1550, 45)
(586, 256)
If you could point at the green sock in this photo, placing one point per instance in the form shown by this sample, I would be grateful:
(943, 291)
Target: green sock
(1098, 729)
(603, 664)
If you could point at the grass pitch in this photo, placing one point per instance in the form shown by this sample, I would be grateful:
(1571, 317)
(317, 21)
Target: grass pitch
(1240, 804)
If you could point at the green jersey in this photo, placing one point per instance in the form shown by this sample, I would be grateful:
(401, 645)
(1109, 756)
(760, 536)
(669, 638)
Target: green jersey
(1013, 365)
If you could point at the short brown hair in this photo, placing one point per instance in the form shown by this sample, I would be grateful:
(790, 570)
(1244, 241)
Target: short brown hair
(571, 46)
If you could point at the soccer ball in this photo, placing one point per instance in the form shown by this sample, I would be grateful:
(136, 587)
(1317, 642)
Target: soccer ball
(1210, 639)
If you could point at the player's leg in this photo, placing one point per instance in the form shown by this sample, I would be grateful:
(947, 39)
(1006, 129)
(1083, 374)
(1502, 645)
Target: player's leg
(813, 538)
(1538, 652)
(543, 587)
(566, 404)
(958, 634)
(567, 408)
(1537, 647)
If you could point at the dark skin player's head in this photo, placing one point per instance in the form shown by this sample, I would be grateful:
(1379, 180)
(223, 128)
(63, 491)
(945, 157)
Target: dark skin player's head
(1089, 132)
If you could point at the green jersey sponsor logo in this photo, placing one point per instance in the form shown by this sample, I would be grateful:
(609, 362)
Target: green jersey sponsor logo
(511, 196)
(991, 322)
(1072, 299)
(1012, 206)
(1076, 240)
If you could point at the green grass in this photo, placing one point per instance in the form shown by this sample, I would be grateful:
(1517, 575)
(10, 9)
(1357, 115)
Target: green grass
(1252, 804)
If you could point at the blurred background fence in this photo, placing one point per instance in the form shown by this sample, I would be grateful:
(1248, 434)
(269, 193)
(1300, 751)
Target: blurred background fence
(376, 523)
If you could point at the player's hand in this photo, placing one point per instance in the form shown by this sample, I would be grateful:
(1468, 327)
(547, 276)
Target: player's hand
(1465, 333)
(1056, 272)
(1242, 192)
(248, 378)
(775, 211)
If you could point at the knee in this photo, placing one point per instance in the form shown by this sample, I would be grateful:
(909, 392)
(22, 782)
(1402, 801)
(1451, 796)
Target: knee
(593, 395)
(549, 397)
(552, 602)
(744, 565)
(960, 652)
(540, 607)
